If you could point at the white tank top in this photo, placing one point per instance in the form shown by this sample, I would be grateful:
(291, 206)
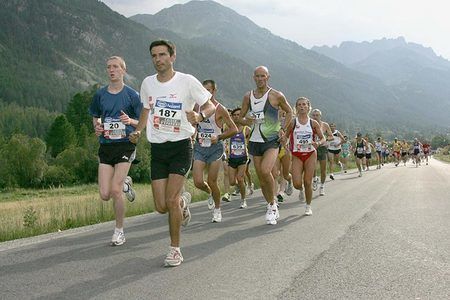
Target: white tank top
(257, 110)
(334, 144)
(206, 129)
(302, 137)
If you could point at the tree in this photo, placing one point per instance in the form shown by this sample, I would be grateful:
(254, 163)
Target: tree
(60, 136)
(439, 141)
(77, 109)
(23, 161)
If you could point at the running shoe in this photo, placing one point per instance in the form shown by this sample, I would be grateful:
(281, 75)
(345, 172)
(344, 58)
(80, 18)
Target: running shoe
(226, 197)
(360, 174)
(332, 176)
(322, 190)
(217, 215)
(186, 216)
(236, 192)
(243, 204)
(128, 189)
(345, 171)
(301, 196)
(289, 188)
(210, 202)
(118, 238)
(315, 183)
(308, 210)
(173, 258)
(280, 197)
(272, 214)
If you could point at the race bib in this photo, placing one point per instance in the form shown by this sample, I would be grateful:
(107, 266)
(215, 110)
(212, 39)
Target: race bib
(167, 116)
(259, 117)
(204, 138)
(114, 129)
(303, 142)
(237, 148)
(360, 150)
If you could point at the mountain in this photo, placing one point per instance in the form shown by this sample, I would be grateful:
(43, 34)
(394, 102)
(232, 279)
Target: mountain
(52, 49)
(417, 76)
(345, 94)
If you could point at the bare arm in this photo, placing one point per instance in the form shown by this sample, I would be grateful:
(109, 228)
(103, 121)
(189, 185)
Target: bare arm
(143, 118)
(318, 130)
(231, 127)
(284, 105)
(246, 121)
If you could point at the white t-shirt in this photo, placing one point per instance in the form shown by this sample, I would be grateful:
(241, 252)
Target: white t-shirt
(168, 103)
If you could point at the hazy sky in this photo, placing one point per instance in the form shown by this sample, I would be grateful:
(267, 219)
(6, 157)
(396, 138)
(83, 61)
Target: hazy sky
(330, 22)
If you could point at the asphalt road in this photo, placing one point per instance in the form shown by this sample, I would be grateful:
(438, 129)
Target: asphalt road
(382, 236)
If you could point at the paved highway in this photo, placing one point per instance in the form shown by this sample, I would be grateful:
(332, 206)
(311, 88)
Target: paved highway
(382, 236)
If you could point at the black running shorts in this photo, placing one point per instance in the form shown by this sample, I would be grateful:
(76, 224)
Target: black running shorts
(114, 153)
(170, 158)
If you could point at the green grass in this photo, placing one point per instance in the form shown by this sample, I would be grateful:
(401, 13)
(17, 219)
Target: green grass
(442, 157)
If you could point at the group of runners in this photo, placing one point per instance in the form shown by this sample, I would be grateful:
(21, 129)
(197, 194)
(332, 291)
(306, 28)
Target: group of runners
(189, 129)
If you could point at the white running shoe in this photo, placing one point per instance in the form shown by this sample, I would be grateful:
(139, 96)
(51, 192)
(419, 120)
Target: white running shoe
(272, 214)
(118, 238)
(243, 204)
(308, 210)
(226, 197)
(186, 213)
(236, 192)
(128, 189)
(210, 202)
(173, 258)
(322, 190)
(217, 215)
(332, 176)
(289, 188)
(315, 183)
(301, 196)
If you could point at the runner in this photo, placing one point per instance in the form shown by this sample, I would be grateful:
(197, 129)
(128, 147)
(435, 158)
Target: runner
(379, 146)
(334, 148)
(302, 133)
(208, 150)
(360, 145)
(405, 151)
(396, 147)
(368, 152)
(417, 146)
(264, 103)
(426, 150)
(346, 149)
(281, 170)
(322, 150)
(226, 183)
(169, 98)
(115, 110)
(238, 158)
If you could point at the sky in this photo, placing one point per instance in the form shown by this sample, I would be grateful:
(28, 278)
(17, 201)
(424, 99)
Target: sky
(330, 22)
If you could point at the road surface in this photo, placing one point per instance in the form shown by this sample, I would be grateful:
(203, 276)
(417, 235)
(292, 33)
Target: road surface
(385, 235)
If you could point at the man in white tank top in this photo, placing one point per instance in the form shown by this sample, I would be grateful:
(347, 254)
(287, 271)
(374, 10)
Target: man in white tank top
(264, 103)
(209, 149)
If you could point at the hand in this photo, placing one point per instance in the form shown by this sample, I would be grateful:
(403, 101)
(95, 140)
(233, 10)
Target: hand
(124, 118)
(193, 117)
(134, 136)
(249, 121)
(214, 139)
(99, 129)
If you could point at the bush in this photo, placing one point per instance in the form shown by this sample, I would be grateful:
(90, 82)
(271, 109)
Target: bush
(56, 176)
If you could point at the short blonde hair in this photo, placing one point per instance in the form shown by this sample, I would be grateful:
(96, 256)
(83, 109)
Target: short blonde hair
(122, 63)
